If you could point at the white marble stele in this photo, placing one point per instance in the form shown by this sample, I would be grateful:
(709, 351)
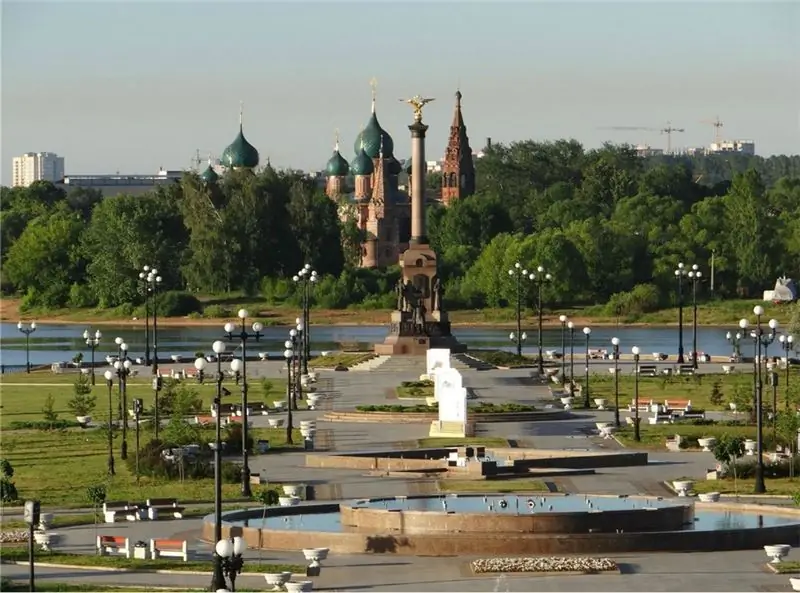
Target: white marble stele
(437, 359)
(452, 398)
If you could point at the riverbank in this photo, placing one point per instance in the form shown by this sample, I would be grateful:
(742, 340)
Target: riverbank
(716, 314)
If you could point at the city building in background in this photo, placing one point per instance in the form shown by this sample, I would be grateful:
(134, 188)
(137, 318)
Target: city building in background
(118, 183)
(747, 147)
(37, 166)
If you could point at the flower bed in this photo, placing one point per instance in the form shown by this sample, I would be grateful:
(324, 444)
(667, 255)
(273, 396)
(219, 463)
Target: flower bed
(16, 536)
(547, 564)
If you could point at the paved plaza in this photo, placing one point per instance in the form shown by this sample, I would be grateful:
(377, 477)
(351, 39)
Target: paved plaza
(723, 571)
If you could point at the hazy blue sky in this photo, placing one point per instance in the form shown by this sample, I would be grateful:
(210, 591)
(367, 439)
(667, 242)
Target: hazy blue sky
(132, 86)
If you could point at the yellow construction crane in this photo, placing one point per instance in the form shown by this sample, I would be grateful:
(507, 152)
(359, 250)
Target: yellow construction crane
(668, 131)
(717, 123)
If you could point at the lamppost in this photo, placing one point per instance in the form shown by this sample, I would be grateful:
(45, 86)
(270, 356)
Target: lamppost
(571, 327)
(636, 435)
(787, 345)
(217, 578)
(144, 276)
(735, 340)
(27, 330)
(615, 345)
(294, 343)
(138, 408)
(759, 340)
(519, 273)
(539, 279)
(587, 331)
(123, 368)
(518, 339)
(306, 277)
(694, 277)
(92, 342)
(563, 320)
(230, 551)
(680, 272)
(152, 280)
(243, 336)
(110, 384)
(288, 354)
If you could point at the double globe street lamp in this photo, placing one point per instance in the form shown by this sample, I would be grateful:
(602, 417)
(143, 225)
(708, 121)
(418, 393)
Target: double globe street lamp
(787, 345)
(27, 330)
(92, 341)
(735, 340)
(680, 272)
(244, 336)
(122, 367)
(229, 553)
(694, 277)
(615, 347)
(539, 279)
(306, 278)
(518, 273)
(110, 384)
(587, 331)
(571, 328)
(636, 434)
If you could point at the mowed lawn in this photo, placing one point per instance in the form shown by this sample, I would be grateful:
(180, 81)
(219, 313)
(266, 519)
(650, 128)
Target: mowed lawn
(56, 467)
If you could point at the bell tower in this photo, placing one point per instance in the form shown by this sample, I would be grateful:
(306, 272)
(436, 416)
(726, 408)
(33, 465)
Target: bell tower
(458, 170)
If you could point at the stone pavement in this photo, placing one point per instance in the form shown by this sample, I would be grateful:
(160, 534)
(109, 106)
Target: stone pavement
(731, 571)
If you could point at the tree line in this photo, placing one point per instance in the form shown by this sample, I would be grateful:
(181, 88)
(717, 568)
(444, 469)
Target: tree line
(609, 226)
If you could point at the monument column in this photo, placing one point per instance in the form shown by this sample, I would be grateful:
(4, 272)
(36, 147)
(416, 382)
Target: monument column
(419, 235)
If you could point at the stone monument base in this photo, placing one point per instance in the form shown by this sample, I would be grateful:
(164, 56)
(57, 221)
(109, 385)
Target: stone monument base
(451, 429)
(407, 339)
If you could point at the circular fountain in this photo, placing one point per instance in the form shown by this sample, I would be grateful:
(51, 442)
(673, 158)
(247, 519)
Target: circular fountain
(549, 524)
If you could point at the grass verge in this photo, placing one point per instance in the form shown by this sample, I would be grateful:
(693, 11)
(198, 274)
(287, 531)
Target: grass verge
(514, 485)
(779, 486)
(654, 436)
(13, 585)
(790, 567)
(345, 359)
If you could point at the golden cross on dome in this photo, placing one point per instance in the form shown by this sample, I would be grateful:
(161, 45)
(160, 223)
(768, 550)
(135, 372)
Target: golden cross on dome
(336, 132)
(241, 112)
(374, 84)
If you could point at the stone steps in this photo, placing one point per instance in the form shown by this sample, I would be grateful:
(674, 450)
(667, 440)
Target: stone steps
(415, 365)
(463, 362)
(371, 364)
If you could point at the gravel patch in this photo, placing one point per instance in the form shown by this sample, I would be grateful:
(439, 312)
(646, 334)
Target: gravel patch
(10, 537)
(546, 564)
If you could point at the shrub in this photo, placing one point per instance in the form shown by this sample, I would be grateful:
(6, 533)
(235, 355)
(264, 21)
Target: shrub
(217, 312)
(178, 399)
(716, 397)
(49, 412)
(59, 424)
(231, 472)
(6, 469)
(96, 494)
(233, 438)
(178, 304)
(82, 402)
(8, 490)
(81, 296)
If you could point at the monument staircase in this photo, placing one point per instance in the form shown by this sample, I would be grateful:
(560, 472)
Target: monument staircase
(464, 362)
(411, 365)
(371, 364)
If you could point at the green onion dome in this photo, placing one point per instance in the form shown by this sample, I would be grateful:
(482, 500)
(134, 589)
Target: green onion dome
(209, 176)
(362, 164)
(337, 166)
(393, 166)
(240, 154)
(370, 139)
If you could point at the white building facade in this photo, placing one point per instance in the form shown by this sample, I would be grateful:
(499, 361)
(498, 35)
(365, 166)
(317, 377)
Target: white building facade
(37, 166)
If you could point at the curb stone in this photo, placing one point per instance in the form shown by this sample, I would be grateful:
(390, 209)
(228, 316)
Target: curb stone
(132, 570)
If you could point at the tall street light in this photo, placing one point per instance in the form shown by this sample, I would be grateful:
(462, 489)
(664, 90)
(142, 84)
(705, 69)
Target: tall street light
(636, 435)
(539, 279)
(92, 341)
(759, 340)
(123, 368)
(518, 339)
(294, 344)
(587, 332)
(563, 320)
(152, 281)
(735, 340)
(787, 345)
(230, 552)
(571, 328)
(680, 272)
(110, 384)
(143, 276)
(288, 354)
(243, 336)
(518, 272)
(217, 578)
(306, 278)
(694, 277)
(615, 345)
(27, 330)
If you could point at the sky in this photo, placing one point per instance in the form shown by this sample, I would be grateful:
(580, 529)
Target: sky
(134, 86)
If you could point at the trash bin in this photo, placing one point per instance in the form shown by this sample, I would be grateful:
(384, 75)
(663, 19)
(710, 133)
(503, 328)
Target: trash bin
(309, 444)
(262, 446)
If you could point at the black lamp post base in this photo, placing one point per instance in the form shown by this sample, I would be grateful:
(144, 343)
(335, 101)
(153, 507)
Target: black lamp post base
(124, 450)
(246, 491)
(217, 578)
(759, 487)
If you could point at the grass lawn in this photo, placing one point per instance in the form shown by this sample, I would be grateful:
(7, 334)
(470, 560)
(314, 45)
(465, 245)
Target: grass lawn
(415, 389)
(18, 553)
(790, 567)
(654, 435)
(501, 358)
(23, 396)
(783, 486)
(345, 359)
(433, 442)
(12, 585)
(513, 485)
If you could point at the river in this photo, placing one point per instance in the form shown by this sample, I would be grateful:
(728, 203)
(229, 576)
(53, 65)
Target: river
(60, 342)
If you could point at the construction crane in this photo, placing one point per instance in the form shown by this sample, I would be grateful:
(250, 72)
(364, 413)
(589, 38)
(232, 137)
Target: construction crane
(717, 123)
(668, 131)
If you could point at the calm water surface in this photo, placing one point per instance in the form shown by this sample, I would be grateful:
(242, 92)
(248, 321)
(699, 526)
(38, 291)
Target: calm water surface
(52, 343)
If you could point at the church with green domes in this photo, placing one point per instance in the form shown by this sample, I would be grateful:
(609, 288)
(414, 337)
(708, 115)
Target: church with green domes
(368, 189)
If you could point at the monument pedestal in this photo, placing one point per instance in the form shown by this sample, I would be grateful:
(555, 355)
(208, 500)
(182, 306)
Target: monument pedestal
(456, 430)
(407, 338)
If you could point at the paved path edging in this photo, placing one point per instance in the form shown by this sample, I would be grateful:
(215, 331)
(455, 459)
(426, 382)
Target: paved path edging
(131, 570)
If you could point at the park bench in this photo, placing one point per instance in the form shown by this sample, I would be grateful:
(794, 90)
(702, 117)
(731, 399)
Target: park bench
(258, 408)
(679, 405)
(155, 506)
(644, 406)
(660, 418)
(674, 443)
(112, 543)
(225, 410)
(597, 353)
(685, 369)
(112, 509)
(176, 548)
(647, 370)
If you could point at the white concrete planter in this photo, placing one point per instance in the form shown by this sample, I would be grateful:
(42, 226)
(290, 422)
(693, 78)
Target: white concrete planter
(607, 432)
(277, 579)
(288, 501)
(601, 425)
(280, 405)
(140, 553)
(777, 552)
(83, 420)
(600, 402)
(750, 447)
(315, 555)
(45, 521)
(795, 583)
(312, 399)
(707, 443)
(298, 586)
(308, 432)
(45, 539)
(732, 406)
(709, 497)
(567, 401)
(275, 422)
(683, 486)
(293, 489)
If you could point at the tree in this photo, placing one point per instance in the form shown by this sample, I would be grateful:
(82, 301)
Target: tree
(727, 450)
